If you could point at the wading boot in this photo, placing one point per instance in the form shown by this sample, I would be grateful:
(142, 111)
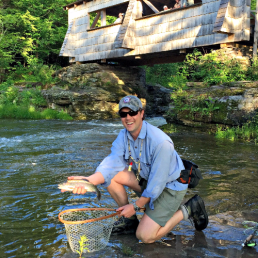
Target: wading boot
(125, 226)
(197, 213)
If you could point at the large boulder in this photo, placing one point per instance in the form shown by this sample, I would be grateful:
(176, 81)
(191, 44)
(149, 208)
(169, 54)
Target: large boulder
(93, 91)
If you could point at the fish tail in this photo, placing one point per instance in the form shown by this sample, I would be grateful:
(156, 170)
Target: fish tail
(98, 194)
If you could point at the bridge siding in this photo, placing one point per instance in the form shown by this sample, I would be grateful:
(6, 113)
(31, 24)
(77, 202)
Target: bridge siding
(186, 28)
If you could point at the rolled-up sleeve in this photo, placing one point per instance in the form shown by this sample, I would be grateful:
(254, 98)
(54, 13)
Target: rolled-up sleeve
(115, 161)
(163, 167)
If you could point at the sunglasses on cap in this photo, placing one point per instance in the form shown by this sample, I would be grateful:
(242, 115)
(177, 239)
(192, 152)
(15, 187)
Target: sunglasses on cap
(130, 113)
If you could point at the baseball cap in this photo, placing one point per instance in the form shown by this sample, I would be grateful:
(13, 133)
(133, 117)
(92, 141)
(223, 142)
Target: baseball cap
(131, 102)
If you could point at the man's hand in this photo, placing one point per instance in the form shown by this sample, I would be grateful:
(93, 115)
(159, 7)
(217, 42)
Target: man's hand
(80, 189)
(127, 211)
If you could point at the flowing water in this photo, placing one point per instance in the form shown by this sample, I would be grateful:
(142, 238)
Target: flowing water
(35, 156)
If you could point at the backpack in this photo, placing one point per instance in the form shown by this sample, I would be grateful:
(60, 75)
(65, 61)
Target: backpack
(191, 175)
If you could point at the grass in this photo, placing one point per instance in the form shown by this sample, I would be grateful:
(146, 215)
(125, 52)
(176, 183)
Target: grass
(126, 250)
(247, 132)
(26, 104)
(168, 128)
(30, 112)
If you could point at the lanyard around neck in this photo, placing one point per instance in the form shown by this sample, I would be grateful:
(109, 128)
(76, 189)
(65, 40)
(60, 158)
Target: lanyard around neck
(139, 159)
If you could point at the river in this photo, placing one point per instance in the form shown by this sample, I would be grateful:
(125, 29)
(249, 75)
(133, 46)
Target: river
(35, 156)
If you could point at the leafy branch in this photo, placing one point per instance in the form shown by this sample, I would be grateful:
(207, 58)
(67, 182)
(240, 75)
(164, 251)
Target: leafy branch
(83, 246)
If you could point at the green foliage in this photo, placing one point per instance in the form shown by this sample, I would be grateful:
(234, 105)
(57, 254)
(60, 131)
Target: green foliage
(167, 75)
(83, 245)
(202, 105)
(253, 4)
(19, 112)
(31, 30)
(53, 114)
(168, 128)
(33, 97)
(126, 250)
(25, 97)
(35, 71)
(213, 68)
(12, 94)
(5, 85)
(25, 104)
(252, 72)
(109, 19)
(247, 132)
(9, 110)
(209, 106)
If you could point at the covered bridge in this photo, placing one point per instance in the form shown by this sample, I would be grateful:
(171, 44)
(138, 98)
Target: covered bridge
(147, 34)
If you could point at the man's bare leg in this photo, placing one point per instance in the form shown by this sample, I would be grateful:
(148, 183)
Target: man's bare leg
(149, 231)
(117, 190)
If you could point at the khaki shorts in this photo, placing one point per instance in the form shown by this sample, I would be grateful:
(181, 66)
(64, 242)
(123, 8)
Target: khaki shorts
(165, 205)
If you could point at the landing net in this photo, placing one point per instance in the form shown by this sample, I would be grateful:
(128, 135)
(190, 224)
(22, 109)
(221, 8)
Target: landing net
(94, 223)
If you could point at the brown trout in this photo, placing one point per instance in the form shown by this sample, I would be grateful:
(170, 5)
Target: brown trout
(71, 184)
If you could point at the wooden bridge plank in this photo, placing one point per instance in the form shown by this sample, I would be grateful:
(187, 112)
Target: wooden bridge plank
(176, 30)
(152, 7)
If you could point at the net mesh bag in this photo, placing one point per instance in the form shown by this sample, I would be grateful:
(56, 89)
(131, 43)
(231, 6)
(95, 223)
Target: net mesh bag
(94, 223)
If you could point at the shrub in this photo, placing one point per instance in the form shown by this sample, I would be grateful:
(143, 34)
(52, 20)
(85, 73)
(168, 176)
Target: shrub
(213, 68)
(252, 72)
(167, 75)
(33, 97)
(25, 104)
(35, 71)
(247, 132)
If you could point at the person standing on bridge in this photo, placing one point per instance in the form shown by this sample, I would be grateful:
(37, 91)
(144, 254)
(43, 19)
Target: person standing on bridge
(120, 18)
(165, 8)
(177, 4)
(143, 158)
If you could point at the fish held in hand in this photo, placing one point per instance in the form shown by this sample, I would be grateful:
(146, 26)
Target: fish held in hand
(71, 184)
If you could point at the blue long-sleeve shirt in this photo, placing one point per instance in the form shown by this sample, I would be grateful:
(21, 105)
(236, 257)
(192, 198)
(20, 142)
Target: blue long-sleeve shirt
(160, 163)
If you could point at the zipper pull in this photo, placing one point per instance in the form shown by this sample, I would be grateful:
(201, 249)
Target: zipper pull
(130, 166)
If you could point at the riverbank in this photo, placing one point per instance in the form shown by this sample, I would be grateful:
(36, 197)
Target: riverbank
(18, 102)
(190, 98)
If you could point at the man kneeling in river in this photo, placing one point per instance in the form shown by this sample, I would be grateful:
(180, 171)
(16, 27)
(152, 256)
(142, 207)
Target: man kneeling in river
(155, 169)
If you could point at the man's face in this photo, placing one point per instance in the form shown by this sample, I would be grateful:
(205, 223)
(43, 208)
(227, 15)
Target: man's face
(165, 8)
(133, 124)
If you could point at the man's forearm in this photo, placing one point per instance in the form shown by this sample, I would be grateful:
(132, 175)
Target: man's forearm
(142, 201)
(96, 178)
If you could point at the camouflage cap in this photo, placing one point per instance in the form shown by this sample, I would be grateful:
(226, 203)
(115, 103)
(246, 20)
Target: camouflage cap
(131, 102)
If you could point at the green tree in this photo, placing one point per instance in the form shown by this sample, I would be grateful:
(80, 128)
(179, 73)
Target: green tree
(31, 30)
(109, 19)
(253, 4)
